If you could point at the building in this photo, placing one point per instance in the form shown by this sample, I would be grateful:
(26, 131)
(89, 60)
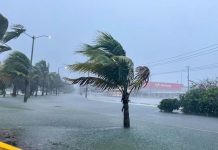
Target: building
(162, 89)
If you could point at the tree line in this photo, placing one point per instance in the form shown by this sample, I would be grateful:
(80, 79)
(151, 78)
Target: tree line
(16, 71)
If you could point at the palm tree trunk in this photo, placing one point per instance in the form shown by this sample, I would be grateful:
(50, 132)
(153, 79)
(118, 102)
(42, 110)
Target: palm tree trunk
(4, 92)
(14, 94)
(43, 88)
(37, 88)
(46, 91)
(27, 92)
(125, 109)
(36, 94)
(126, 120)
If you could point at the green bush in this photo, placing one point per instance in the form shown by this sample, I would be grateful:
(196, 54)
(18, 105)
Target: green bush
(168, 105)
(200, 101)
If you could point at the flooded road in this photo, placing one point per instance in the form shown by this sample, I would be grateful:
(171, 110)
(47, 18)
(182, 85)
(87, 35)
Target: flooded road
(71, 122)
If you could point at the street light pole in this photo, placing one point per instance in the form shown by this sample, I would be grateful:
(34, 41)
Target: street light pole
(27, 95)
(188, 77)
(33, 42)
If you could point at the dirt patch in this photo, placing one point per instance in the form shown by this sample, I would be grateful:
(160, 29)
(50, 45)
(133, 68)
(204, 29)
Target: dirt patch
(8, 137)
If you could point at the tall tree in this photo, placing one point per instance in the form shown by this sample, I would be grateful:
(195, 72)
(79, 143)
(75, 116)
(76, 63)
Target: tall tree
(18, 66)
(35, 80)
(6, 36)
(111, 69)
(43, 71)
(55, 82)
(4, 81)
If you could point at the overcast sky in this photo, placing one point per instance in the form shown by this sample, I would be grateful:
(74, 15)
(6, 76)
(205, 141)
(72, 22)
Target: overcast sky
(148, 30)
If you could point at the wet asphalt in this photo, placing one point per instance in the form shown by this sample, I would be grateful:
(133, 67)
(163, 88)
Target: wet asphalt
(71, 122)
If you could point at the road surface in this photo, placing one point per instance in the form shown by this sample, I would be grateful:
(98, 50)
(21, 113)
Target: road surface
(71, 122)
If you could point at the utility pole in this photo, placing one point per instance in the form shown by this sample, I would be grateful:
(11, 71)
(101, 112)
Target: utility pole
(188, 71)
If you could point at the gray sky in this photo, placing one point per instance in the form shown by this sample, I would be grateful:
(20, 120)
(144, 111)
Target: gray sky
(148, 30)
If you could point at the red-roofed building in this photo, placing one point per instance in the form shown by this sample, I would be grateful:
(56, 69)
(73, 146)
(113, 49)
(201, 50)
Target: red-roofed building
(162, 89)
(164, 86)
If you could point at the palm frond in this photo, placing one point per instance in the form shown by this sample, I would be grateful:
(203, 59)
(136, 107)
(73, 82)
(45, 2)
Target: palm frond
(4, 48)
(106, 42)
(15, 32)
(5, 79)
(141, 78)
(17, 64)
(3, 26)
(91, 51)
(125, 68)
(93, 81)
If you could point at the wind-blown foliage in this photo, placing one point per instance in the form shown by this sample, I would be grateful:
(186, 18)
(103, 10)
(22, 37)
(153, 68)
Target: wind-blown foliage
(111, 69)
(17, 66)
(6, 36)
(3, 25)
(43, 71)
(4, 81)
(55, 82)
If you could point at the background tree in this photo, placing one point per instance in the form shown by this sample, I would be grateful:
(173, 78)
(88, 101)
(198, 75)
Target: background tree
(18, 66)
(111, 69)
(35, 81)
(4, 81)
(43, 71)
(55, 82)
(6, 36)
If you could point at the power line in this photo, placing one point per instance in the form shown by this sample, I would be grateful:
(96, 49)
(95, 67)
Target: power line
(183, 56)
(210, 66)
(170, 72)
(209, 51)
(204, 67)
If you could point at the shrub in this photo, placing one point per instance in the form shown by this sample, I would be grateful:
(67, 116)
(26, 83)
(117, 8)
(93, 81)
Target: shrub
(201, 101)
(168, 105)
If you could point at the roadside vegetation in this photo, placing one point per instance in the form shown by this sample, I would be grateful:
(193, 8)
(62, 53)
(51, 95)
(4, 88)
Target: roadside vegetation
(202, 99)
(168, 105)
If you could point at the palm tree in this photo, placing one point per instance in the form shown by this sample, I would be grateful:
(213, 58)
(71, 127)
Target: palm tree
(43, 71)
(18, 66)
(35, 79)
(55, 82)
(111, 69)
(6, 36)
(4, 81)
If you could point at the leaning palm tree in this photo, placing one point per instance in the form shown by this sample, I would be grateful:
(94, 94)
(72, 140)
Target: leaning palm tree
(111, 69)
(6, 36)
(18, 66)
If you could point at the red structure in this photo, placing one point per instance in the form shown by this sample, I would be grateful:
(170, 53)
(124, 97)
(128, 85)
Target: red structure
(164, 86)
